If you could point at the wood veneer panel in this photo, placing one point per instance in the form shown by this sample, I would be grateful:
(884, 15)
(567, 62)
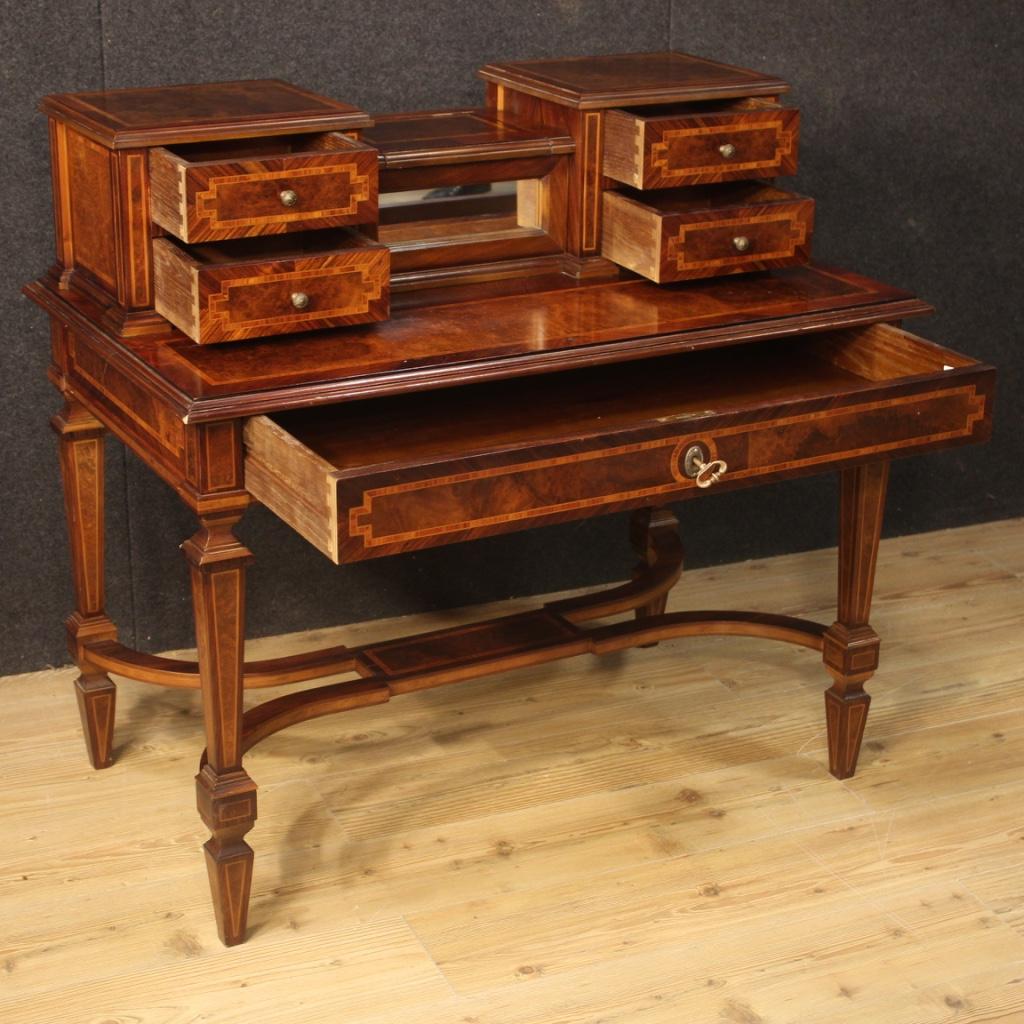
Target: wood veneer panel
(410, 472)
(485, 331)
(627, 79)
(166, 115)
(203, 193)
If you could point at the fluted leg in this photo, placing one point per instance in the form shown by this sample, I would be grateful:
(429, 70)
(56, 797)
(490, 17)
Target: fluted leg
(851, 645)
(80, 437)
(226, 796)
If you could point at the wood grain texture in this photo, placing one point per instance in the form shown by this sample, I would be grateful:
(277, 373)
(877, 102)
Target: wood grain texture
(438, 137)
(625, 79)
(588, 816)
(374, 479)
(207, 193)
(500, 329)
(851, 645)
(80, 439)
(175, 114)
(706, 230)
(215, 293)
(226, 795)
(664, 148)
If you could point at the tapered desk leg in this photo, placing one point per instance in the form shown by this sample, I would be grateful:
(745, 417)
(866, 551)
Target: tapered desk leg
(851, 645)
(81, 461)
(225, 794)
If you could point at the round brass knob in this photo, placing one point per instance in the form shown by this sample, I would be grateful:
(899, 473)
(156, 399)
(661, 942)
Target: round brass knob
(741, 243)
(288, 197)
(300, 300)
(728, 150)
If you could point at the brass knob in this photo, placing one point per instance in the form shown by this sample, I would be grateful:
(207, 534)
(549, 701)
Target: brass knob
(741, 243)
(702, 472)
(728, 150)
(300, 300)
(288, 197)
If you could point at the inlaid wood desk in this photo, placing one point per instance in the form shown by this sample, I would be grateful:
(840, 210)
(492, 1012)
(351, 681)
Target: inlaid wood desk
(410, 379)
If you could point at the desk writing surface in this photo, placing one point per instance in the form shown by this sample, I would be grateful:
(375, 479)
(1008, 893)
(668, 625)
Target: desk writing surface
(458, 335)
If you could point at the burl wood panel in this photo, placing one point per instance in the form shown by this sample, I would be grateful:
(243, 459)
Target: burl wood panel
(706, 230)
(365, 481)
(204, 193)
(457, 335)
(222, 293)
(627, 79)
(684, 146)
(172, 114)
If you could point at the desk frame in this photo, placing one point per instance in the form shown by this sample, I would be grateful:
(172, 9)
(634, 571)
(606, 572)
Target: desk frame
(217, 561)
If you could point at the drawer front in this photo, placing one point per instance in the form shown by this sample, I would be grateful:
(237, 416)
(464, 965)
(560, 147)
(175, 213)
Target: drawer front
(758, 239)
(217, 303)
(380, 516)
(264, 195)
(347, 290)
(665, 245)
(662, 152)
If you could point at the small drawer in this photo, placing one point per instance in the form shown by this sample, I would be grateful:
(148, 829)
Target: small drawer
(251, 288)
(212, 191)
(664, 147)
(706, 230)
(380, 476)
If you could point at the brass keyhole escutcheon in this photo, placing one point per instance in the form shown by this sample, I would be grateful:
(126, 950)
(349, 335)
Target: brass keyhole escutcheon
(300, 300)
(728, 150)
(288, 197)
(741, 243)
(697, 467)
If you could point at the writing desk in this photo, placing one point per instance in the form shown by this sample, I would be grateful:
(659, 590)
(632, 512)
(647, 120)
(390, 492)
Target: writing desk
(491, 400)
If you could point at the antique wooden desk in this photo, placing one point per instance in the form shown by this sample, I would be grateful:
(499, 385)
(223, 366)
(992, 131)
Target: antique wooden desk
(585, 297)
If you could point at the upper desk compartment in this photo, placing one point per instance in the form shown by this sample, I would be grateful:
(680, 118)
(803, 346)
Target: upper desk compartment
(204, 162)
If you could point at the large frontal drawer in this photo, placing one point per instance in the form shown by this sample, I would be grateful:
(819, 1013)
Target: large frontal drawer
(665, 147)
(377, 477)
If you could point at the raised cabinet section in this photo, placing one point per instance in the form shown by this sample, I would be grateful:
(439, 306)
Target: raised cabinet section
(213, 191)
(377, 477)
(707, 231)
(664, 147)
(252, 288)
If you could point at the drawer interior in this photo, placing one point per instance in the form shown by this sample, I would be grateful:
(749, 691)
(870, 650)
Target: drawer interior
(357, 437)
(272, 248)
(256, 149)
(703, 198)
(704, 108)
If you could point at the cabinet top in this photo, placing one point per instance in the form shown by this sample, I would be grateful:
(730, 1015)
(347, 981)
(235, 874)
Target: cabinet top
(167, 115)
(631, 79)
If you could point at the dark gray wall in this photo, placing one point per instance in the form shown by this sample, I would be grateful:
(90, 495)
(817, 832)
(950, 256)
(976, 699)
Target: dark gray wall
(911, 145)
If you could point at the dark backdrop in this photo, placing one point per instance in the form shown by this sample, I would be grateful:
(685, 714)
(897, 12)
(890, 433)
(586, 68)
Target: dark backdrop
(911, 144)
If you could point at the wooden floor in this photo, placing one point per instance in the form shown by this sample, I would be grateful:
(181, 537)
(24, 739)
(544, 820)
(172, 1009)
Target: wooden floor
(651, 838)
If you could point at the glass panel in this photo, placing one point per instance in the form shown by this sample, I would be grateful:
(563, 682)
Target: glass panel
(459, 213)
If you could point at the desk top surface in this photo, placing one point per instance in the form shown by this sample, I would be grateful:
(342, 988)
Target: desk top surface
(629, 79)
(459, 335)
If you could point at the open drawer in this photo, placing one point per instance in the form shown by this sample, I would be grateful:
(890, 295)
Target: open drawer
(256, 287)
(381, 476)
(688, 144)
(210, 191)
